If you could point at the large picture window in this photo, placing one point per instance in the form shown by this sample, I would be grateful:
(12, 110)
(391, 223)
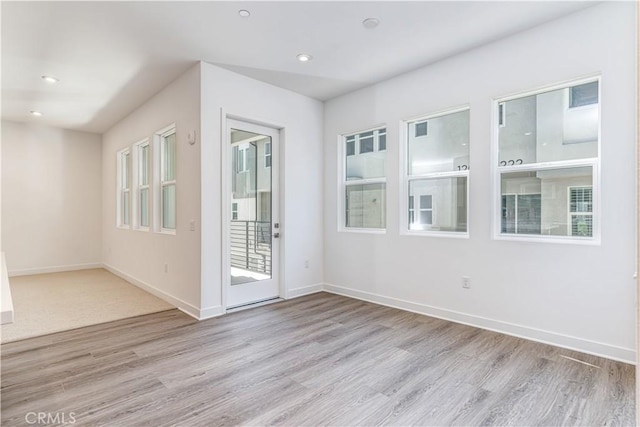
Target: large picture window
(437, 173)
(364, 179)
(548, 145)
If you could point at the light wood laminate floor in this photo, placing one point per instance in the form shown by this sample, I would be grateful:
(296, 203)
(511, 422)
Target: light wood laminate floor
(322, 359)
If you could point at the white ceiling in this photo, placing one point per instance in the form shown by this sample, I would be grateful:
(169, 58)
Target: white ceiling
(112, 56)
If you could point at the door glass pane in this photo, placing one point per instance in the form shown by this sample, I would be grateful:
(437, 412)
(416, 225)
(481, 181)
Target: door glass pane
(251, 201)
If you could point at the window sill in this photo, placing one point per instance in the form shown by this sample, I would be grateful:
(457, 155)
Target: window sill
(362, 230)
(439, 234)
(531, 238)
(167, 232)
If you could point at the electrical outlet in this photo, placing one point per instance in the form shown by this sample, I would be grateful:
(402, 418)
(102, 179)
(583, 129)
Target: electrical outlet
(192, 225)
(306, 263)
(466, 282)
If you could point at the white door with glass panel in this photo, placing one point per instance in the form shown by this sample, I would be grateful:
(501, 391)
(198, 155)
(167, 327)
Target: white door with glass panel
(252, 203)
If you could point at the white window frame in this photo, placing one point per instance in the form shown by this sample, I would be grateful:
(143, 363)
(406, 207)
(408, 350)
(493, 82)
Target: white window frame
(137, 184)
(405, 182)
(159, 183)
(497, 171)
(343, 183)
(122, 190)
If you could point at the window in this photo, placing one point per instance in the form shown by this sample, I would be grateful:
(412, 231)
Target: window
(502, 119)
(581, 211)
(243, 164)
(426, 209)
(124, 185)
(143, 162)
(168, 180)
(234, 211)
(267, 155)
(364, 179)
(585, 94)
(547, 162)
(437, 173)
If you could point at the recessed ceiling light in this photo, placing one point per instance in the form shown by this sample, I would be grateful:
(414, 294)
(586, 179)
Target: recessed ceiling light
(36, 113)
(370, 23)
(304, 57)
(50, 79)
(244, 13)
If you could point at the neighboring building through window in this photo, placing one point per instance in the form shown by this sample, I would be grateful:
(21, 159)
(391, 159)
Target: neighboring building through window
(267, 155)
(581, 211)
(548, 149)
(242, 164)
(234, 211)
(364, 179)
(437, 172)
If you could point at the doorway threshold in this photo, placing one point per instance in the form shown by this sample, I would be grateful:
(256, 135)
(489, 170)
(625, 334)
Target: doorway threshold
(254, 304)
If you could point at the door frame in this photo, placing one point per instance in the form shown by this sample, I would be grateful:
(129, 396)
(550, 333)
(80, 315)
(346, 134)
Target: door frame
(225, 198)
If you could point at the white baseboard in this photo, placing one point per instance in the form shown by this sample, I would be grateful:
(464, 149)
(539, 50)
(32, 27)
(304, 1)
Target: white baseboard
(608, 351)
(54, 269)
(304, 290)
(209, 312)
(176, 302)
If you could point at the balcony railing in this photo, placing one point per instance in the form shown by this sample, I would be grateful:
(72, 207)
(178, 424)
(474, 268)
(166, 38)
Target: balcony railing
(251, 246)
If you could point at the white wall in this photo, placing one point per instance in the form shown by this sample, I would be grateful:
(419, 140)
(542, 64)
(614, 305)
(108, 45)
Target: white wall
(51, 198)
(140, 256)
(300, 168)
(579, 296)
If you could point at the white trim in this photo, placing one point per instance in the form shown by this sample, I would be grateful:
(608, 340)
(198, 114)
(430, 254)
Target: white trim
(54, 269)
(6, 315)
(626, 355)
(553, 86)
(304, 290)
(209, 312)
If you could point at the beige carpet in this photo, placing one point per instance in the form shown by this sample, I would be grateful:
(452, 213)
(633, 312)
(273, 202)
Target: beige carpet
(48, 303)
